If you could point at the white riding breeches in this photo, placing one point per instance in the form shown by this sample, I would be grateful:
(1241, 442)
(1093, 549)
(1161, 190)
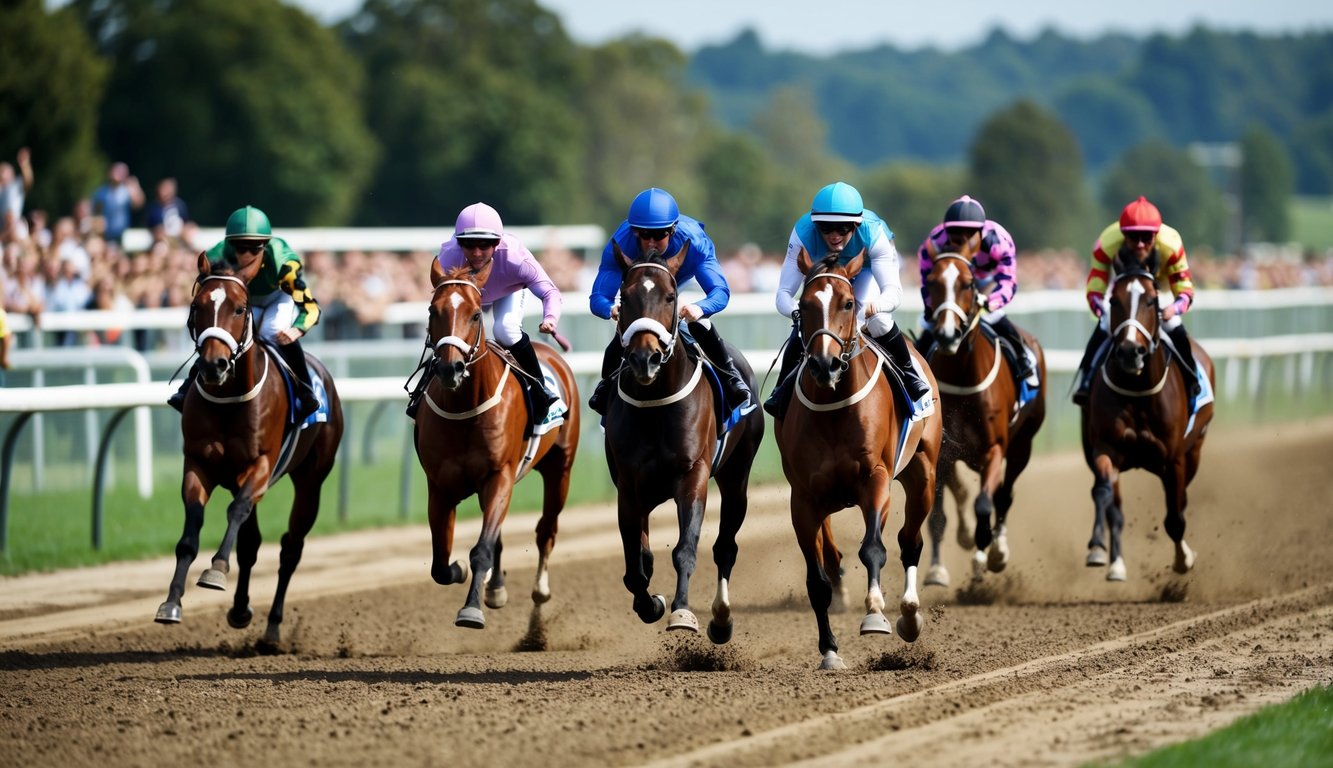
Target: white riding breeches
(273, 313)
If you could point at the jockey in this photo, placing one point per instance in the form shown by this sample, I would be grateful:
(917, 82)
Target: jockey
(655, 226)
(1140, 237)
(995, 265)
(479, 238)
(282, 306)
(838, 223)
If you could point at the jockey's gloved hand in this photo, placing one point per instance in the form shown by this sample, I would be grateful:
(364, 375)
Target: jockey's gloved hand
(983, 299)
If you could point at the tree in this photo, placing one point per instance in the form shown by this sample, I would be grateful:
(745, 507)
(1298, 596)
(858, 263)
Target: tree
(1266, 181)
(912, 198)
(245, 101)
(1313, 143)
(1026, 168)
(1107, 118)
(1187, 198)
(51, 82)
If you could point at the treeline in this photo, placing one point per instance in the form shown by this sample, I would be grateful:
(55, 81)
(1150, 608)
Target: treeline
(411, 109)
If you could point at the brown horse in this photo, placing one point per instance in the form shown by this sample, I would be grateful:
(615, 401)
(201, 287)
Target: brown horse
(1139, 416)
(233, 425)
(662, 443)
(472, 437)
(843, 442)
(988, 430)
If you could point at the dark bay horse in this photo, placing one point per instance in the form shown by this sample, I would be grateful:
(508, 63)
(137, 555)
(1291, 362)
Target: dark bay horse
(843, 441)
(233, 426)
(472, 437)
(988, 430)
(1139, 415)
(662, 444)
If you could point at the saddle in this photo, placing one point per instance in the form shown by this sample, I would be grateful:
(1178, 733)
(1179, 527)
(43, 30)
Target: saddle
(558, 408)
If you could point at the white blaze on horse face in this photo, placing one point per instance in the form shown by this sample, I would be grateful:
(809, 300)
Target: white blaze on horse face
(1136, 290)
(951, 273)
(825, 296)
(217, 295)
(456, 300)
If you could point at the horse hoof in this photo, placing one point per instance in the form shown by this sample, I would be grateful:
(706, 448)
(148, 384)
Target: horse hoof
(168, 613)
(539, 597)
(212, 578)
(1117, 570)
(470, 617)
(875, 624)
(1184, 558)
(462, 571)
(661, 604)
(832, 661)
(997, 558)
(240, 619)
(909, 627)
(978, 565)
(1097, 557)
(683, 620)
(937, 576)
(496, 598)
(720, 634)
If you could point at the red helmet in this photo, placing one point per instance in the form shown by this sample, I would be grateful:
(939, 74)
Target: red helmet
(1140, 216)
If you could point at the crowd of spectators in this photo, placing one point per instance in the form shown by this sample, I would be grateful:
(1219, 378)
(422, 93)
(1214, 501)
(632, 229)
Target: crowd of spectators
(78, 262)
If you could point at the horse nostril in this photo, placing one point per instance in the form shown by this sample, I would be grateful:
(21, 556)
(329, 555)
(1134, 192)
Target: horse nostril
(655, 359)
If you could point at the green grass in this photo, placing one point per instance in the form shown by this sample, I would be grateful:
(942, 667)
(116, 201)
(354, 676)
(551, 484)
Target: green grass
(1312, 222)
(1297, 733)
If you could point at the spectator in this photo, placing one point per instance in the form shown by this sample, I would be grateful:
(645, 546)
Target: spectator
(38, 229)
(25, 291)
(13, 192)
(168, 216)
(6, 338)
(116, 200)
(68, 293)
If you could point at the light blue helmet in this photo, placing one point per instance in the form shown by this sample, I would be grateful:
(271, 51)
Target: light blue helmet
(653, 209)
(838, 201)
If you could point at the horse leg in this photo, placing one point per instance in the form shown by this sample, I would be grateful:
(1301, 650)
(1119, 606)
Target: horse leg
(937, 575)
(496, 596)
(633, 522)
(690, 500)
(809, 535)
(554, 470)
(195, 489)
(734, 508)
(1173, 482)
(875, 511)
(966, 534)
(242, 506)
(247, 552)
(997, 554)
(918, 480)
(494, 495)
(833, 567)
(1102, 500)
(307, 484)
(1106, 502)
(442, 513)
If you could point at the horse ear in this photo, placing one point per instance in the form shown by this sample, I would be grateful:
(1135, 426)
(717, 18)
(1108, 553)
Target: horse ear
(674, 262)
(803, 261)
(854, 266)
(205, 268)
(621, 259)
(436, 272)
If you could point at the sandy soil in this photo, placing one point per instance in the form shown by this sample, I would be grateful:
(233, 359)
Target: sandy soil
(1044, 664)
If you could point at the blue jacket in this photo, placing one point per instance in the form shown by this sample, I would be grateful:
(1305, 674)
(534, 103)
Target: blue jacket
(700, 264)
(862, 238)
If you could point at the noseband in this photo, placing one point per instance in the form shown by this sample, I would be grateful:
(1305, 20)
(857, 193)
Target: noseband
(851, 346)
(471, 352)
(667, 337)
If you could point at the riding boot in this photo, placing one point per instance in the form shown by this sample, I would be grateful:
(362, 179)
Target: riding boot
(526, 356)
(1005, 327)
(610, 364)
(294, 356)
(776, 404)
(1182, 341)
(1085, 366)
(417, 393)
(917, 388)
(733, 383)
(177, 400)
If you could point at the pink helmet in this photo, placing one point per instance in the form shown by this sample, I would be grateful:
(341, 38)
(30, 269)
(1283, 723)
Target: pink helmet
(479, 221)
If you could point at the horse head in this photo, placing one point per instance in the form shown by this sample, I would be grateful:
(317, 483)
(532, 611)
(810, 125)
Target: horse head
(219, 319)
(1135, 319)
(952, 287)
(649, 321)
(454, 328)
(829, 322)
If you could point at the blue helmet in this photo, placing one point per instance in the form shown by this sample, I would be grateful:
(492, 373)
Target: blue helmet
(653, 209)
(838, 201)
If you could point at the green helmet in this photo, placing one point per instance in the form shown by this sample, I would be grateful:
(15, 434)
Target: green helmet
(248, 223)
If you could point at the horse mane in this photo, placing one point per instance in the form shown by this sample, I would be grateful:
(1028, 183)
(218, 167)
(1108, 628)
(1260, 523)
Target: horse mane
(463, 272)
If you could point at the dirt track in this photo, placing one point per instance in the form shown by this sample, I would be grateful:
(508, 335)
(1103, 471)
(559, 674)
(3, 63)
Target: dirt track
(1045, 664)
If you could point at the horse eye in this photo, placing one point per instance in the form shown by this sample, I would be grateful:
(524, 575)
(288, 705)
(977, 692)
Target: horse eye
(476, 318)
(848, 306)
(240, 311)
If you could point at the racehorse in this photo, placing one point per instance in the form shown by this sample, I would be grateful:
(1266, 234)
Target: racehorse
(472, 436)
(843, 441)
(235, 424)
(663, 442)
(988, 429)
(1139, 415)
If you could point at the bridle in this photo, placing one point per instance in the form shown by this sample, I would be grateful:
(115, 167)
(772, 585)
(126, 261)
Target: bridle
(1131, 321)
(851, 345)
(473, 352)
(969, 322)
(666, 336)
(237, 348)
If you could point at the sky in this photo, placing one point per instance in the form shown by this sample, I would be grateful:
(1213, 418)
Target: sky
(828, 26)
